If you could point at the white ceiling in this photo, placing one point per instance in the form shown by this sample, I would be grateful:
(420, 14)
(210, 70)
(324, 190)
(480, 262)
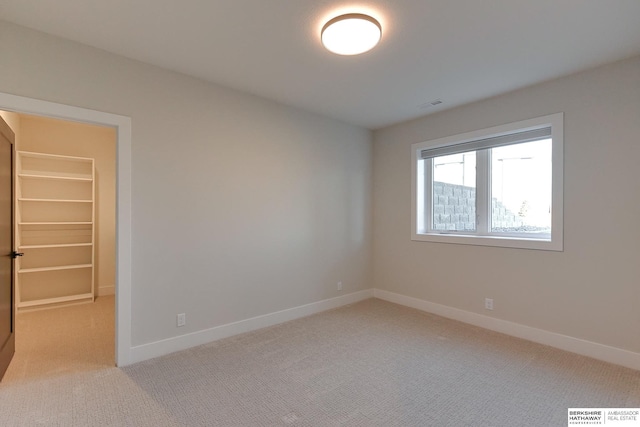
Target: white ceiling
(455, 50)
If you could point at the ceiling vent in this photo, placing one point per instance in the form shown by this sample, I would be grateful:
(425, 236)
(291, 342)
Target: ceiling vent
(431, 104)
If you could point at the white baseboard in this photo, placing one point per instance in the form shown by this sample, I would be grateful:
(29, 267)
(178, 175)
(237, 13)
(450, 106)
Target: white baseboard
(564, 342)
(183, 342)
(106, 290)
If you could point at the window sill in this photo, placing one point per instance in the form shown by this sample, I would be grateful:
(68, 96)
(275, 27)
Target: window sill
(502, 242)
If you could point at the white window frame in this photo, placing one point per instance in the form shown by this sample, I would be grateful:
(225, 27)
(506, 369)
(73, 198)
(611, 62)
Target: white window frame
(553, 242)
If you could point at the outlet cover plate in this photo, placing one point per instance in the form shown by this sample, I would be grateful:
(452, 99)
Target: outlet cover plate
(181, 319)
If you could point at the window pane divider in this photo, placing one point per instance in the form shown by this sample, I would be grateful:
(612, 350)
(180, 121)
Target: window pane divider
(483, 205)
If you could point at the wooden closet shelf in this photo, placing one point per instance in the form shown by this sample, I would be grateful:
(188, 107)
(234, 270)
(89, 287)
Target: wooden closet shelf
(59, 267)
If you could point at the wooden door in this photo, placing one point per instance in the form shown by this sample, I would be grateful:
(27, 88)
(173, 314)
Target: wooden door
(7, 254)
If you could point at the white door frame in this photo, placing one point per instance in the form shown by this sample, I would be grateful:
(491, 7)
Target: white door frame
(122, 124)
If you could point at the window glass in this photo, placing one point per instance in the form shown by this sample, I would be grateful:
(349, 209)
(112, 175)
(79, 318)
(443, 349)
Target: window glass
(454, 192)
(521, 188)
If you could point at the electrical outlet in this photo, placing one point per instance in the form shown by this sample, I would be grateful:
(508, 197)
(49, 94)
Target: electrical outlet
(488, 303)
(339, 286)
(181, 319)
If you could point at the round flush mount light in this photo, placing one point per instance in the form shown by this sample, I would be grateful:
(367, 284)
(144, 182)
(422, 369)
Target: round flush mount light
(351, 34)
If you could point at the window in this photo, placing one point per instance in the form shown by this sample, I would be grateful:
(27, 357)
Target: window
(495, 187)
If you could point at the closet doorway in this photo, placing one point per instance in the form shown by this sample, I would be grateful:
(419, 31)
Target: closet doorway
(65, 225)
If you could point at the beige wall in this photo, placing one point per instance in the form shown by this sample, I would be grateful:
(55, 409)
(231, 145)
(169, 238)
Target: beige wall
(592, 289)
(240, 206)
(45, 135)
(13, 120)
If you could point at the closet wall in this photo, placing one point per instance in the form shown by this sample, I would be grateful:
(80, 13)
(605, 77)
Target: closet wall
(51, 136)
(13, 120)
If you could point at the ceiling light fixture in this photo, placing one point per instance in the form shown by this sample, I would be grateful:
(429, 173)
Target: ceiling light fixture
(351, 34)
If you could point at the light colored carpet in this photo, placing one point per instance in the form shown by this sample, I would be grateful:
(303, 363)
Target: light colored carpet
(370, 364)
(75, 338)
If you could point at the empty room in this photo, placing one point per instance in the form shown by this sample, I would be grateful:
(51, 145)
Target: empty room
(415, 213)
